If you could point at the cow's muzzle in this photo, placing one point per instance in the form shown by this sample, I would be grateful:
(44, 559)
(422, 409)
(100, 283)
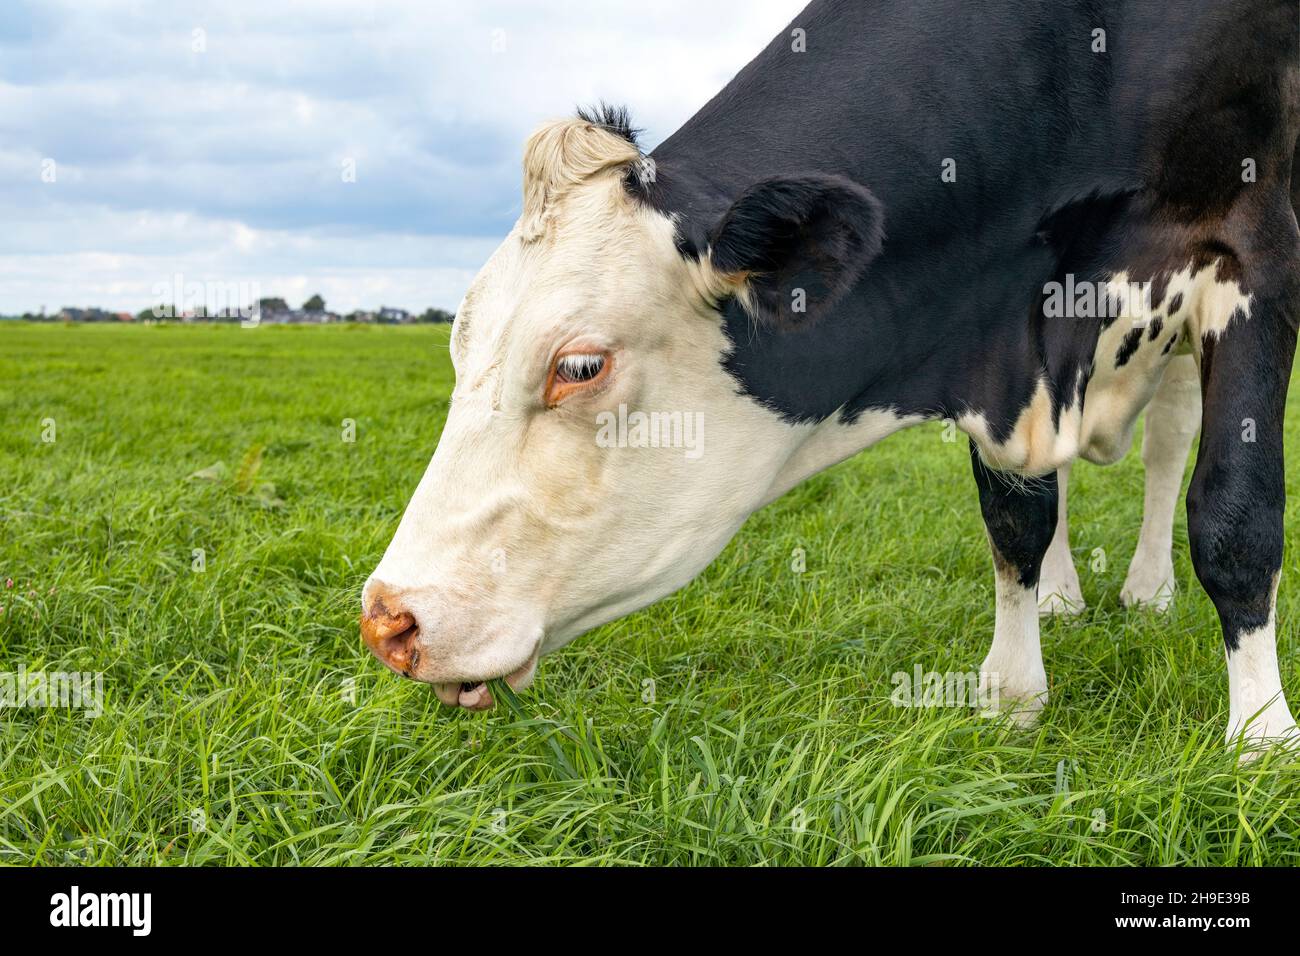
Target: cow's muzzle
(393, 636)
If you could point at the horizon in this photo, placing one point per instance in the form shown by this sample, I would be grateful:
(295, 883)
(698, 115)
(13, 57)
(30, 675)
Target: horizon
(181, 310)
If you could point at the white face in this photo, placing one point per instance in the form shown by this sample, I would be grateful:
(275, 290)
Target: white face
(536, 520)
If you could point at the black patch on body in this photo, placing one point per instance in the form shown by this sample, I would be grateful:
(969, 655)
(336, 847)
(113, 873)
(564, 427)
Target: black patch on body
(1175, 303)
(1128, 346)
(1157, 325)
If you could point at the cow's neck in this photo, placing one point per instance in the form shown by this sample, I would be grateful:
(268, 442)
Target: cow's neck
(940, 324)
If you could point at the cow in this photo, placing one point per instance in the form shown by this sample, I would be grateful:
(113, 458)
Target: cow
(1033, 220)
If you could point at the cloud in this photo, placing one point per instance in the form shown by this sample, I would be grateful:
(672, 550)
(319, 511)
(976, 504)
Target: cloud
(176, 128)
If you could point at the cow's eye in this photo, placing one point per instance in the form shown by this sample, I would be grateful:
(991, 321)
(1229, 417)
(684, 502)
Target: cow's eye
(576, 371)
(578, 368)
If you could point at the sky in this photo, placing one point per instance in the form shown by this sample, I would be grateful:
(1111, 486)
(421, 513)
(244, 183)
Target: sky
(366, 150)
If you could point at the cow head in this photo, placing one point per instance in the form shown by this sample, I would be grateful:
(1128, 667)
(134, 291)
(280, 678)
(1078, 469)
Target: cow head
(597, 455)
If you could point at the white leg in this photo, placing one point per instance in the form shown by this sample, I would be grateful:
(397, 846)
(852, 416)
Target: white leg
(1257, 708)
(1012, 679)
(1058, 587)
(1172, 420)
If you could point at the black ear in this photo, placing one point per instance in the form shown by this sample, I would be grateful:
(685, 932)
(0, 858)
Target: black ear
(791, 246)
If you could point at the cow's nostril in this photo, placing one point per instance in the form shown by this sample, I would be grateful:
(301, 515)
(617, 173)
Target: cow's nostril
(391, 636)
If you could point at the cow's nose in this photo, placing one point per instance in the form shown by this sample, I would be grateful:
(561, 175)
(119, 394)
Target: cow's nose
(391, 633)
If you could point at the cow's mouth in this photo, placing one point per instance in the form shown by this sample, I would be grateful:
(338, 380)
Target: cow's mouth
(471, 695)
(475, 694)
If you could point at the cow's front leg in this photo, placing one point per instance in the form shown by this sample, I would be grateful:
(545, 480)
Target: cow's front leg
(1236, 499)
(1173, 418)
(1058, 590)
(1020, 517)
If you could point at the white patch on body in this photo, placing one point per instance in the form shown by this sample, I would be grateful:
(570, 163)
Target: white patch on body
(1116, 395)
(1035, 446)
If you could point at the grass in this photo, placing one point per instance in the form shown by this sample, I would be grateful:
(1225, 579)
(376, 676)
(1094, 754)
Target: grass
(745, 720)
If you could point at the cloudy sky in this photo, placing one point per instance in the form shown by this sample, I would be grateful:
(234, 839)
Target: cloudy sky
(217, 140)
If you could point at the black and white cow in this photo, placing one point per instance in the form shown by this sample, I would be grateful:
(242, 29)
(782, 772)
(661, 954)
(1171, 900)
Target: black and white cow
(868, 228)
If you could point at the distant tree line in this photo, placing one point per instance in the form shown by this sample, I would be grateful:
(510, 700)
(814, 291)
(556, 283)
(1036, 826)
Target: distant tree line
(272, 309)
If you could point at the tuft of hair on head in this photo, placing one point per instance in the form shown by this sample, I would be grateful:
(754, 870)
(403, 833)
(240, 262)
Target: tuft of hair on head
(615, 119)
(564, 153)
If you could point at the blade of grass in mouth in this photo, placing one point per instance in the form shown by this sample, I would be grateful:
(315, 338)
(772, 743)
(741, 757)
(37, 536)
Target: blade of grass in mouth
(505, 695)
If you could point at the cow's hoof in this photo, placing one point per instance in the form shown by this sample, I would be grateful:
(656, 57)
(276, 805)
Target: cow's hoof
(1020, 706)
(1149, 588)
(1058, 603)
(1275, 727)
(1021, 713)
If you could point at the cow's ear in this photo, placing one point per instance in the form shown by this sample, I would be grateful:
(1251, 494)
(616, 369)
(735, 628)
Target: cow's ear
(790, 247)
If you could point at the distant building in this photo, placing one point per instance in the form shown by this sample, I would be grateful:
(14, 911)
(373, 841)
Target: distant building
(85, 315)
(394, 316)
(299, 317)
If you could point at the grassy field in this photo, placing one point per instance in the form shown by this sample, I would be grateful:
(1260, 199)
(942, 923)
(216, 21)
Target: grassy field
(745, 720)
